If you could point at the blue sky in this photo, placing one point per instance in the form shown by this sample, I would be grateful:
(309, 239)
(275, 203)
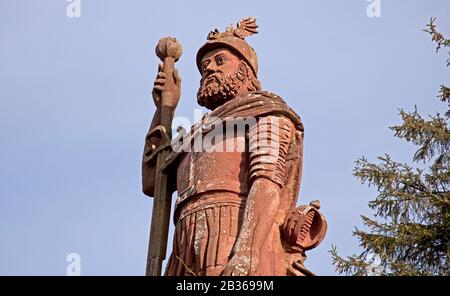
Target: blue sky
(75, 105)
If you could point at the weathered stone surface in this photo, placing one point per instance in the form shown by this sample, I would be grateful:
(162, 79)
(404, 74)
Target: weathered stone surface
(236, 209)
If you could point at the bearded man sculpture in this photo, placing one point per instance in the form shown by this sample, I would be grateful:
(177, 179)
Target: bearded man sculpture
(236, 209)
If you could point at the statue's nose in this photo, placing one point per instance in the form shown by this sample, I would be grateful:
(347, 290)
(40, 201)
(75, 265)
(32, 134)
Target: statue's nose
(211, 68)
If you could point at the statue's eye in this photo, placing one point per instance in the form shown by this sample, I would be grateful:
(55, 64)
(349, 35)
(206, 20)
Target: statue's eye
(204, 66)
(220, 60)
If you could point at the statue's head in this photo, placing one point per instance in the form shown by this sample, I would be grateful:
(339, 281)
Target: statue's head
(228, 65)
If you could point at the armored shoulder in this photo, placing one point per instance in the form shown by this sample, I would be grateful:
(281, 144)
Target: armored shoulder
(269, 141)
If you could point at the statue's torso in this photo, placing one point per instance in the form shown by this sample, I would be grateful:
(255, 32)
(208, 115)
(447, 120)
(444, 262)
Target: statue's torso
(221, 169)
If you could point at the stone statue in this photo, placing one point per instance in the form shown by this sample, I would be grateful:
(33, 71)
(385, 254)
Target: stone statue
(236, 209)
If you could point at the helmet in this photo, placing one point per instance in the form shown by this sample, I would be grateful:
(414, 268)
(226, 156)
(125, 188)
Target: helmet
(234, 39)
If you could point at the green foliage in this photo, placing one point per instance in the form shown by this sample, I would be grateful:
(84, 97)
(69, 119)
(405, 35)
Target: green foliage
(413, 204)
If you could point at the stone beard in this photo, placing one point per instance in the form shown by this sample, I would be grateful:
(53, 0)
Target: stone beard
(216, 88)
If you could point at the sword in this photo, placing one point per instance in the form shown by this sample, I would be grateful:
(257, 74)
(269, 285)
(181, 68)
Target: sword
(169, 51)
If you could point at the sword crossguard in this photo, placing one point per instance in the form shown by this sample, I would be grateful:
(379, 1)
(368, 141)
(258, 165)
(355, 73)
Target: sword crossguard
(160, 133)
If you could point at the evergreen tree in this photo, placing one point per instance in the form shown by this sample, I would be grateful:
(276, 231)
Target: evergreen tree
(410, 235)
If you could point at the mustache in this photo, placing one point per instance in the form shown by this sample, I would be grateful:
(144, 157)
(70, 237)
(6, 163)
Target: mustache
(216, 76)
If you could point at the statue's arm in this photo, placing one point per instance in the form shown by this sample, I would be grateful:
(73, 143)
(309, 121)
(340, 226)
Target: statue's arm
(259, 216)
(267, 174)
(148, 168)
(171, 86)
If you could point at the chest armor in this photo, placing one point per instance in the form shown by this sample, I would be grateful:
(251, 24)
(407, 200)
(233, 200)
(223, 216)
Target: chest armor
(224, 168)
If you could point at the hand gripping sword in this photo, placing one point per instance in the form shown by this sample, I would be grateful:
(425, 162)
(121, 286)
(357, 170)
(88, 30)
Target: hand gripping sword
(169, 51)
